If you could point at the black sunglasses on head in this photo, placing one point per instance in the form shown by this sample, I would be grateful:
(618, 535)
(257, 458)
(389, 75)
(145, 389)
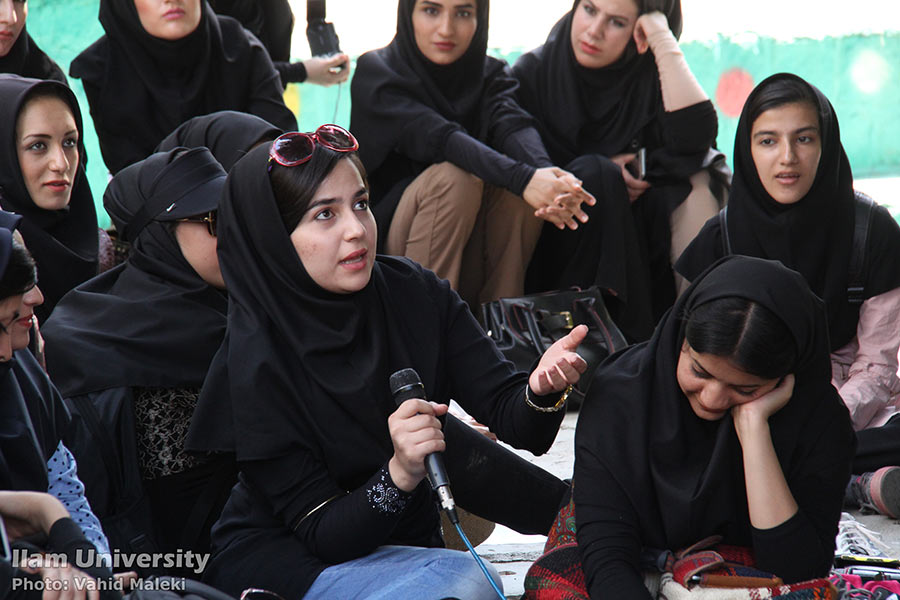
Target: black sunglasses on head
(209, 219)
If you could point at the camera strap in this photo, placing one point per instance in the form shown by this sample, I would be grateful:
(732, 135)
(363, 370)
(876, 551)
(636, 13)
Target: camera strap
(315, 11)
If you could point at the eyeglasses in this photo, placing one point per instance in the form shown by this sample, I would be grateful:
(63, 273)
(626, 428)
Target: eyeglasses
(209, 218)
(295, 148)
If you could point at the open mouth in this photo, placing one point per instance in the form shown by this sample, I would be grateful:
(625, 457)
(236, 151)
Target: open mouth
(787, 178)
(355, 258)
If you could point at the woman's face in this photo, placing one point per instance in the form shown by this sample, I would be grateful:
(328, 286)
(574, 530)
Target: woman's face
(714, 384)
(20, 330)
(335, 239)
(444, 28)
(198, 247)
(786, 145)
(12, 22)
(47, 147)
(169, 19)
(601, 30)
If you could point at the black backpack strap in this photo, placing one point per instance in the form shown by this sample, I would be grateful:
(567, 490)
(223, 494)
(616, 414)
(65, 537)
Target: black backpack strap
(862, 219)
(723, 225)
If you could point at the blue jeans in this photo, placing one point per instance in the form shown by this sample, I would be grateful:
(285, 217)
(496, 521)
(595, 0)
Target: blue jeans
(400, 572)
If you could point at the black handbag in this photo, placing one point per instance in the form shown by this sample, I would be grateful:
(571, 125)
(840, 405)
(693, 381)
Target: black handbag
(523, 328)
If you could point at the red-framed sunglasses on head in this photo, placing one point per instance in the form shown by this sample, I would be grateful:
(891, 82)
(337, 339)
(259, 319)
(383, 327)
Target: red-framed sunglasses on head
(295, 148)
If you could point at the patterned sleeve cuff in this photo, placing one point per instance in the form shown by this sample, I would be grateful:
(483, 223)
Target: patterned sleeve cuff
(385, 497)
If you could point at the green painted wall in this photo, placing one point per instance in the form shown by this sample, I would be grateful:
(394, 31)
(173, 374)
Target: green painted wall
(842, 67)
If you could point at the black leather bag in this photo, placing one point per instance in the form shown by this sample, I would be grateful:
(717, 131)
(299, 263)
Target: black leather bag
(523, 328)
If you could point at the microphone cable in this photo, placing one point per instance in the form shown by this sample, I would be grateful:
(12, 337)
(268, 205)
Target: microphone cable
(477, 558)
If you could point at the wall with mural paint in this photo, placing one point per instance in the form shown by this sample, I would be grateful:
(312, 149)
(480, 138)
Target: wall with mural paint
(857, 71)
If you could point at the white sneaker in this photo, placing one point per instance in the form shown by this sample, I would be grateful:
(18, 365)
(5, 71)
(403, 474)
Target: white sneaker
(853, 538)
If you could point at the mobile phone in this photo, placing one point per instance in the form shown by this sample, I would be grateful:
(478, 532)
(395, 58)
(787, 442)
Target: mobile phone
(638, 165)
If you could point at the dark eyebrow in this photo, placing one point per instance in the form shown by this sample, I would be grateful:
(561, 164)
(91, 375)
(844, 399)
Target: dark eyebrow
(801, 130)
(329, 201)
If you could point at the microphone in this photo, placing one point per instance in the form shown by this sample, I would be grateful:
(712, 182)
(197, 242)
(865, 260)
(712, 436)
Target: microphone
(405, 384)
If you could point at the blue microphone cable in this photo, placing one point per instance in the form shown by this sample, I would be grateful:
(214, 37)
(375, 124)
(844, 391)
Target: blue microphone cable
(455, 520)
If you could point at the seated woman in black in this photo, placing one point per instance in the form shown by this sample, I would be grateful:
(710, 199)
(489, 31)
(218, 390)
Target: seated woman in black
(600, 97)
(793, 200)
(19, 54)
(42, 178)
(458, 172)
(159, 65)
(33, 418)
(331, 470)
(724, 423)
(228, 134)
(137, 340)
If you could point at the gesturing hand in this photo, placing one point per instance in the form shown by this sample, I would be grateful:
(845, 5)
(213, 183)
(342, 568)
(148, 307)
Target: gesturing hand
(415, 433)
(560, 365)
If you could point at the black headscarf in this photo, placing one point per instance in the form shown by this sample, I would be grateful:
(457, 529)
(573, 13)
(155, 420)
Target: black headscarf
(27, 60)
(398, 90)
(814, 235)
(62, 242)
(152, 321)
(272, 21)
(304, 370)
(129, 72)
(228, 134)
(32, 415)
(590, 111)
(682, 475)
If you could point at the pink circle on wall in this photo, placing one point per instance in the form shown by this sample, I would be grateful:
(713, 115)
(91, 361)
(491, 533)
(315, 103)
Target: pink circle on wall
(731, 93)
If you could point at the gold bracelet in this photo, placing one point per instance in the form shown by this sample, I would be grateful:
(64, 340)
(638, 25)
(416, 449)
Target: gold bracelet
(548, 409)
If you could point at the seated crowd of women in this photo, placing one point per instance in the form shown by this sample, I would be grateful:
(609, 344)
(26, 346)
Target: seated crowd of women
(227, 383)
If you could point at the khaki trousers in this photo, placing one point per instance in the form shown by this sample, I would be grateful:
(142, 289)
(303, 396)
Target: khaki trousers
(477, 236)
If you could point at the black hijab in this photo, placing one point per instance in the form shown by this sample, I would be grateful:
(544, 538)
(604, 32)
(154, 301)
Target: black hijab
(152, 321)
(27, 60)
(62, 242)
(591, 111)
(682, 475)
(814, 235)
(32, 416)
(272, 21)
(135, 73)
(303, 370)
(228, 134)
(400, 94)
